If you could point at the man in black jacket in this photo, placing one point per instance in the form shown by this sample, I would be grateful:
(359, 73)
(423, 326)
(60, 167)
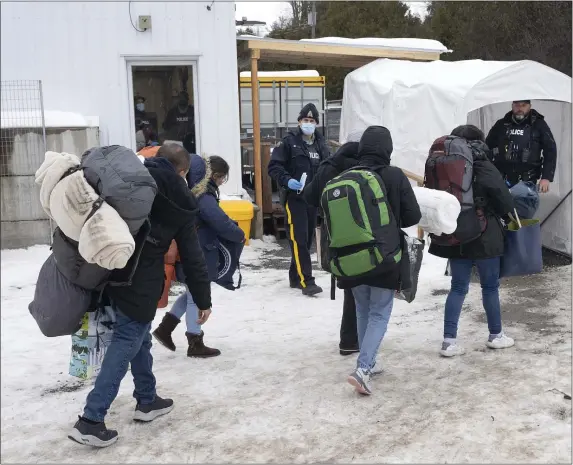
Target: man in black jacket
(374, 295)
(523, 147)
(300, 152)
(345, 158)
(172, 217)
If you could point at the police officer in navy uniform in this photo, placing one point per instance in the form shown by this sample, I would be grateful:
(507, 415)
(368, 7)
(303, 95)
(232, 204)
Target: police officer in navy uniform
(523, 147)
(301, 151)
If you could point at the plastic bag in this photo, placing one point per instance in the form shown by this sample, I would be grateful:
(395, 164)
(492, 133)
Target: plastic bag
(412, 255)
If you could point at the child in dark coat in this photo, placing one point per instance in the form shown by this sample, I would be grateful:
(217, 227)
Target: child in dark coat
(204, 178)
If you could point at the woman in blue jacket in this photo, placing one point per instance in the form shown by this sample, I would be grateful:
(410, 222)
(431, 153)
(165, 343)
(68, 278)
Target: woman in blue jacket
(204, 178)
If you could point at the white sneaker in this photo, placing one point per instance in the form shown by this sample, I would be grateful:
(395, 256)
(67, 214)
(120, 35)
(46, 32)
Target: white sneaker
(361, 381)
(451, 349)
(499, 341)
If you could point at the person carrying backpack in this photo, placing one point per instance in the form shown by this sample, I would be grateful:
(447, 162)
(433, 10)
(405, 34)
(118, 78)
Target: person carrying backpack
(345, 158)
(204, 178)
(172, 217)
(459, 163)
(364, 209)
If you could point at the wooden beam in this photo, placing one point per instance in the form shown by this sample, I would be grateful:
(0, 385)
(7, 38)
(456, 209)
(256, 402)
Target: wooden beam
(341, 50)
(255, 55)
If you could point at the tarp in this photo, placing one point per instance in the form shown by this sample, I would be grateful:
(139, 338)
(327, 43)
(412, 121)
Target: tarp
(419, 101)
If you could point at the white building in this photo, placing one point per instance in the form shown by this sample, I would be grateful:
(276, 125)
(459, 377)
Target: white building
(93, 58)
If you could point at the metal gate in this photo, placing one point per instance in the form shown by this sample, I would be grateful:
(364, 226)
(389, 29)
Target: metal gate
(22, 149)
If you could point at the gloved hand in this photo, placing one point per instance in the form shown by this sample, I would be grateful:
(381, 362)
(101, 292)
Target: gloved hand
(294, 185)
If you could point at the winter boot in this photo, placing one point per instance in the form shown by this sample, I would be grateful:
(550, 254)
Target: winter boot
(150, 412)
(311, 289)
(198, 349)
(163, 332)
(91, 433)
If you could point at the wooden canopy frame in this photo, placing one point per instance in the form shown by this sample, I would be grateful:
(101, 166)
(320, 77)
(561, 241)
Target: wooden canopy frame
(312, 54)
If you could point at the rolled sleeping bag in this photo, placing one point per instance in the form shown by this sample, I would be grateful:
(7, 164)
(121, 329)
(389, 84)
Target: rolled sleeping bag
(440, 210)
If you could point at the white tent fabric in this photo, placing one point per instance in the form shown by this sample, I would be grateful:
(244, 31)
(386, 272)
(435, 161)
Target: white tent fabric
(419, 102)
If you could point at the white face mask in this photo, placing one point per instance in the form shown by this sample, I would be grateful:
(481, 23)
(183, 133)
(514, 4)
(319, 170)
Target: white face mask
(308, 128)
(140, 106)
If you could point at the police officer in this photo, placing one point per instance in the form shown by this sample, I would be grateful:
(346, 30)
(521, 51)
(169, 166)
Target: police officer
(300, 152)
(523, 147)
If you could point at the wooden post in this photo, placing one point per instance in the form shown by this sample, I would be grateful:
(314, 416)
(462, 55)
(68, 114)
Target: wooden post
(255, 55)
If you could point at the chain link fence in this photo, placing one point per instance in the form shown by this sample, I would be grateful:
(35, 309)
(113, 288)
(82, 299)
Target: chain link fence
(22, 149)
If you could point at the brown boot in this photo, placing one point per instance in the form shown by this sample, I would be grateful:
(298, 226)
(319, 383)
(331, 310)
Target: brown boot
(163, 332)
(198, 349)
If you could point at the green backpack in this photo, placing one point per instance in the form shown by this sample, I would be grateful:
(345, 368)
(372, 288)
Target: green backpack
(363, 236)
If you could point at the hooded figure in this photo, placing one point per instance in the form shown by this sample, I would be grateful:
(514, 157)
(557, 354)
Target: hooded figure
(293, 165)
(374, 151)
(213, 223)
(374, 295)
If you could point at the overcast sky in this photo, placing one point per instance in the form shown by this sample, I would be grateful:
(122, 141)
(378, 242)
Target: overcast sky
(270, 11)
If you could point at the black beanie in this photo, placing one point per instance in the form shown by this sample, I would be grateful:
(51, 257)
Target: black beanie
(522, 101)
(309, 111)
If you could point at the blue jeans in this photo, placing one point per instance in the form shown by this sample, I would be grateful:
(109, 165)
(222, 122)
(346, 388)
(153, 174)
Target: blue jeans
(526, 199)
(373, 310)
(131, 343)
(184, 305)
(461, 270)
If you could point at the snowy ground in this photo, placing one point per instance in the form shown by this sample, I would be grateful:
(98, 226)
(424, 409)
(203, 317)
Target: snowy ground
(278, 393)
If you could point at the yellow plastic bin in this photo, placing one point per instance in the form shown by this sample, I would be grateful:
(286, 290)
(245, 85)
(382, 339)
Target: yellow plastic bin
(242, 212)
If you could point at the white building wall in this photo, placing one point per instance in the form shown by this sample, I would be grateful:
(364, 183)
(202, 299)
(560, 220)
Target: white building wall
(79, 51)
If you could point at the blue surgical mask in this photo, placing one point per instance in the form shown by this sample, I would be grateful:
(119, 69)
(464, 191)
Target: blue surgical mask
(140, 106)
(308, 128)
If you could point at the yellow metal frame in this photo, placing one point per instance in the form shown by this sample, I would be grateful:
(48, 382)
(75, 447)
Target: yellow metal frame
(267, 81)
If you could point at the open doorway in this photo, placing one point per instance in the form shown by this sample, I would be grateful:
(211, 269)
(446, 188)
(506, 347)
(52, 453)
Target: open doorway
(164, 105)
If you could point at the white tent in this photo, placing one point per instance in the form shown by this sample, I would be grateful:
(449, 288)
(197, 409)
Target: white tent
(419, 102)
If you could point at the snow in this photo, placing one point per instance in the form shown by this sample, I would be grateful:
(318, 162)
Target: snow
(278, 392)
(283, 74)
(52, 119)
(398, 43)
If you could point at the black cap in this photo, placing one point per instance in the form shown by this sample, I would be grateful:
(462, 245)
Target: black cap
(522, 101)
(309, 111)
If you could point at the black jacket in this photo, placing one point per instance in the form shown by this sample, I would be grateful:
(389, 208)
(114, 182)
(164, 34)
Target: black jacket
(523, 150)
(491, 192)
(172, 217)
(374, 152)
(345, 158)
(291, 158)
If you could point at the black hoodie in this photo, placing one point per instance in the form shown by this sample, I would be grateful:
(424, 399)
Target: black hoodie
(345, 158)
(374, 151)
(172, 217)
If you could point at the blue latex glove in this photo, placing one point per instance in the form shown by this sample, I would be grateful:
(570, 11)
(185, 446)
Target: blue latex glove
(294, 185)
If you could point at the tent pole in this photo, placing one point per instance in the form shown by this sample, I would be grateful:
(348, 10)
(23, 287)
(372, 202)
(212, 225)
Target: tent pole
(255, 55)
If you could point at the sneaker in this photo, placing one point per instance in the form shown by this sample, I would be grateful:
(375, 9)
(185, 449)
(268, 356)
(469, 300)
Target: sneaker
(150, 412)
(92, 434)
(361, 381)
(349, 350)
(499, 341)
(311, 289)
(451, 349)
(375, 371)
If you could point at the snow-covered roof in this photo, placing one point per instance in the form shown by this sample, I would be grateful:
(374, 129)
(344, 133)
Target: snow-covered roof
(398, 44)
(283, 74)
(52, 119)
